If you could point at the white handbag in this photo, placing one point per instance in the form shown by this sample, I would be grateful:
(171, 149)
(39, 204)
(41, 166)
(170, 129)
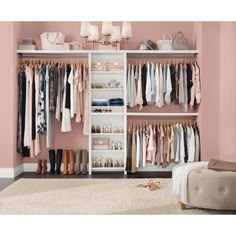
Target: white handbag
(166, 43)
(52, 40)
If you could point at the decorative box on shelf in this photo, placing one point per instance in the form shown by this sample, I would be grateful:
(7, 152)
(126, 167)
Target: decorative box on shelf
(100, 143)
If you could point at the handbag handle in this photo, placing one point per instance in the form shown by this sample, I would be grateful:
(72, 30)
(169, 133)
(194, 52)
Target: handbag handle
(167, 34)
(53, 41)
(179, 35)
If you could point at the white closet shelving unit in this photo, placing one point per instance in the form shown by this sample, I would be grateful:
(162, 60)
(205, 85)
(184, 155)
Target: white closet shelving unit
(119, 115)
(116, 118)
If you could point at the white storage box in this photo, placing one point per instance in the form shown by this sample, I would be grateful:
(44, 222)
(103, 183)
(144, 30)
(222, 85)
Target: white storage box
(100, 143)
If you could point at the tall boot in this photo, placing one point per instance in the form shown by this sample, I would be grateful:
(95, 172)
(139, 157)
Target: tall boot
(40, 166)
(44, 168)
(58, 161)
(85, 162)
(72, 162)
(52, 159)
(65, 161)
(78, 162)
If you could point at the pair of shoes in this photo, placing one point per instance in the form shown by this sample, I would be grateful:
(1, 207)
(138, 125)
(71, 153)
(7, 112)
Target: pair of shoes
(42, 167)
(81, 158)
(55, 161)
(96, 130)
(69, 162)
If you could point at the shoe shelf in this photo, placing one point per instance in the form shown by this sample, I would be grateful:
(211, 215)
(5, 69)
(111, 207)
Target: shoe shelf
(105, 151)
(107, 89)
(107, 134)
(107, 169)
(107, 113)
(118, 72)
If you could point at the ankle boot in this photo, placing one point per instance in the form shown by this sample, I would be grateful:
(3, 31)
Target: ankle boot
(85, 162)
(78, 162)
(72, 162)
(52, 161)
(44, 168)
(58, 161)
(39, 169)
(65, 161)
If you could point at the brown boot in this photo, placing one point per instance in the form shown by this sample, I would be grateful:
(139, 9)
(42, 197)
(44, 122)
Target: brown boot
(72, 162)
(39, 169)
(65, 161)
(44, 168)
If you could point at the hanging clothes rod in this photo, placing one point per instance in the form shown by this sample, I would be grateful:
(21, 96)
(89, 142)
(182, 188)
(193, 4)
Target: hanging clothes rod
(162, 60)
(53, 56)
(194, 114)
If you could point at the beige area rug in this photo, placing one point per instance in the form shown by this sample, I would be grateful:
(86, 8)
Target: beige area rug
(90, 196)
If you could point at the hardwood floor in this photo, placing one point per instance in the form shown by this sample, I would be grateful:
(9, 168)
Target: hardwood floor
(4, 182)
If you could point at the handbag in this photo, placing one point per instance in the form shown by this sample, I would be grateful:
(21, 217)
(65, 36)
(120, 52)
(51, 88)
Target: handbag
(53, 41)
(180, 43)
(165, 43)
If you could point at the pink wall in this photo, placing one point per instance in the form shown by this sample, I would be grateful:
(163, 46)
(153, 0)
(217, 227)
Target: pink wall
(227, 112)
(210, 79)
(141, 30)
(6, 95)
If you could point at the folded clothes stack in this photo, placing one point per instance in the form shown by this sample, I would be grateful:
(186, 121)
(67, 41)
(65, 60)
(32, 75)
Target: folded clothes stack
(116, 102)
(110, 102)
(100, 102)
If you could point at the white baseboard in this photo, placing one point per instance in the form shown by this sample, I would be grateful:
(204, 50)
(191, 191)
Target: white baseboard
(7, 173)
(18, 170)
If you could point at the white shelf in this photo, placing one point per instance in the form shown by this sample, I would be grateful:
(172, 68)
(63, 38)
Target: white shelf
(161, 114)
(107, 72)
(107, 134)
(107, 168)
(53, 52)
(115, 151)
(107, 113)
(108, 89)
(129, 52)
(161, 52)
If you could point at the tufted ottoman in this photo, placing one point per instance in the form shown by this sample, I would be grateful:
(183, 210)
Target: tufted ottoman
(211, 189)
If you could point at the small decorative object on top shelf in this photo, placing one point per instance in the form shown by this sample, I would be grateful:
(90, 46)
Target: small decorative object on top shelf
(166, 43)
(26, 44)
(180, 42)
(111, 35)
(149, 45)
(76, 46)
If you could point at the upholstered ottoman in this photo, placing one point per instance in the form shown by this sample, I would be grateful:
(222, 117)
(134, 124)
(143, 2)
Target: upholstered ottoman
(211, 189)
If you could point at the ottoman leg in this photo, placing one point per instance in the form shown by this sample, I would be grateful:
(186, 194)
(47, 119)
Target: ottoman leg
(182, 205)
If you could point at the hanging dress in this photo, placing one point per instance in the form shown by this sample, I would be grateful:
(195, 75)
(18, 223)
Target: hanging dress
(66, 120)
(41, 117)
(86, 102)
(139, 100)
(148, 86)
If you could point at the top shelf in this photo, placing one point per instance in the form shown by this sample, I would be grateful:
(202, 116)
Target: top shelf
(86, 52)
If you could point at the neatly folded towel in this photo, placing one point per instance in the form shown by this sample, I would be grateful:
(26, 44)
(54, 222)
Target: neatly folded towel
(221, 165)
